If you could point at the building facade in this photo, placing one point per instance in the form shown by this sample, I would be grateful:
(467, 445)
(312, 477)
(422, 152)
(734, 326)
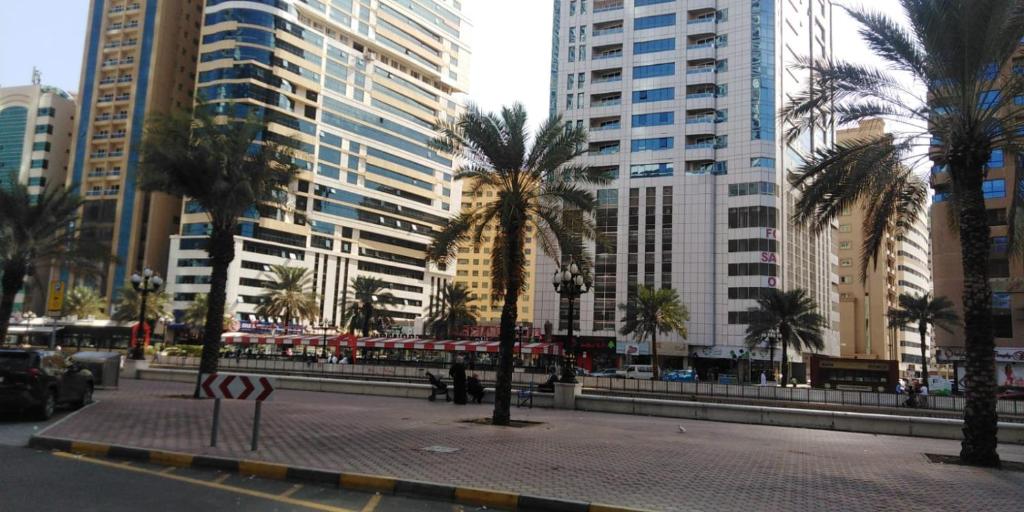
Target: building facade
(1006, 274)
(680, 98)
(903, 267)
(139, 60)
(354, 87)
(473, 266)
(35, 137)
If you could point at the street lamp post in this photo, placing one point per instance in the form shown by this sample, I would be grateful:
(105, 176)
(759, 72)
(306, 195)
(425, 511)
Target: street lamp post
(569, 281)
(145, 283)
(325, 326)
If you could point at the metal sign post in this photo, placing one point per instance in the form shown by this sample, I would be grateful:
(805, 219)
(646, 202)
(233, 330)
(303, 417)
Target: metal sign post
(236, 387)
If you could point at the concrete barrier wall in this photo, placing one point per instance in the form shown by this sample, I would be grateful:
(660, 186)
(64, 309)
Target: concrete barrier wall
(756, 415)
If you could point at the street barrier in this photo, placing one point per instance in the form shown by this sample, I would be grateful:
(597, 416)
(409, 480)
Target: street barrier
(226, 386)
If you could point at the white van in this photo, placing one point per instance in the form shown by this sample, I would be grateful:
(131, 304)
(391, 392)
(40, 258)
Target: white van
(639, 371)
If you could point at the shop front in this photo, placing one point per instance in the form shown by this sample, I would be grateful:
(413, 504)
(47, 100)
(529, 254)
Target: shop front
(740, 365)
(1009, 366)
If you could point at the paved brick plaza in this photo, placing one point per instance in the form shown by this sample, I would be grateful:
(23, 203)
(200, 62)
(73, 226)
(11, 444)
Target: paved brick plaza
(616, 459)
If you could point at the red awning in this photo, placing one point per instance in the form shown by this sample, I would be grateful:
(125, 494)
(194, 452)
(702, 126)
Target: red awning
(266, 339)
(452, 345)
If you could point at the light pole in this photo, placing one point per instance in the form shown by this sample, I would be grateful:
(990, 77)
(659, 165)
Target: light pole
(144, 284)
(569, 281)
(325, 326)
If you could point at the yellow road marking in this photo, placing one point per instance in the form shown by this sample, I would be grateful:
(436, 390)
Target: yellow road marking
(168, 469)
(222, 478)
(295, 488)
(204, 483)
(495, 499)
(372, 504)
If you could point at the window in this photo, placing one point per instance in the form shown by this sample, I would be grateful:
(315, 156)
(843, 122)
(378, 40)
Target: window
(40, 146)
(845, 279)
(753, 269)
(44, 128)
(996, 216)
(655, 144)
(653, 119)
(650, 170)
(994, 189)
(845, 228)
(845, 245)
(1000, 244)
(767, 163)
(641, 3)
(569, 81)
(40, 164)
(845, 262)
(572, 54)
(661, 20)
(653, 70)
(753, 245)
(988, 99)
(1002, 321)
(765, 188)
(652, 95)
(753, 216)
(995, 160)
(657, 45)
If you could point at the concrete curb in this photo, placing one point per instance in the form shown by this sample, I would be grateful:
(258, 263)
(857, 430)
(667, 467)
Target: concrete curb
(352, 481)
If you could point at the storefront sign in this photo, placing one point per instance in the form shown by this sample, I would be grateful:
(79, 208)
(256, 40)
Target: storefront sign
(728, 352)
(957, 354)
(632, 348)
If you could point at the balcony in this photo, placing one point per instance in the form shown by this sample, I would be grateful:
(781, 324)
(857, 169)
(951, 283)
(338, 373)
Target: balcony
(704, 19)
(700, 45)
(606, 103)
(603, 148)
(607, 6)
(94, 193)
(607, 31)
(611, 54)
(120, 115)
(698, 70)
(701, 145)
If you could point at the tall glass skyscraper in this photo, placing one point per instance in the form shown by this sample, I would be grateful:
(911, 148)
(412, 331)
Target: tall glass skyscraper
(680, 97)
(354, 86)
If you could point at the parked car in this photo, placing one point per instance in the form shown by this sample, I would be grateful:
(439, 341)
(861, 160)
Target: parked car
(40, 380)
(607, 372)
(639, 371)
(1011, 394)
(680, 376)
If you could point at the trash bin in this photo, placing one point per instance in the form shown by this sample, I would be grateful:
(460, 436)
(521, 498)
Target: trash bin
(105, 367)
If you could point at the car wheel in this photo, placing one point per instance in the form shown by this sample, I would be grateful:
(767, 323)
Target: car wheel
(86, 396)
(45, 411)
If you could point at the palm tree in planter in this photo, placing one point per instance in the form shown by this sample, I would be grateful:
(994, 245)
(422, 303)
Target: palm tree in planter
(926, 312)
(289, 295)
(960, 53)
(534, 186)
(228, 170)
(651, 311)
(368, 296)
(40, 229)
(83, 302)
(793, 317)
(454, 312)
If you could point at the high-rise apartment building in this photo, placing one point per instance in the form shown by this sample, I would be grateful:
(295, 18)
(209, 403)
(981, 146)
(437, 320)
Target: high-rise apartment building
(139, 60)
(35, 138)
(904, 266)
(354, 87)
(473, 266)
(1006, 275)
(681, 100)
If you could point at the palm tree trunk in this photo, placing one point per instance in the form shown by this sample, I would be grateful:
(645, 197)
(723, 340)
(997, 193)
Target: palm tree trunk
(367, 309)
(980, 418)
(922, 328)
(771, 358)
(654, 353)
(513, 284)
(13, 278)
(222, 251)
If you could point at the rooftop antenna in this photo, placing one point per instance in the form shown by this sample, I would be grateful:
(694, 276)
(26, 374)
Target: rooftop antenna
(37, 77)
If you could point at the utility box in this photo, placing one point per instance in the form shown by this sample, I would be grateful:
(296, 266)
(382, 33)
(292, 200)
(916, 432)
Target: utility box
(105, 367)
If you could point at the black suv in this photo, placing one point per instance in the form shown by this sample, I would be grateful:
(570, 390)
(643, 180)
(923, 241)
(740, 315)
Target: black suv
(38, 380)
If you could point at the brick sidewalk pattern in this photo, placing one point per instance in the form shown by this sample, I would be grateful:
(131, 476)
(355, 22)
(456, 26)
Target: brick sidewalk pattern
(627, 460)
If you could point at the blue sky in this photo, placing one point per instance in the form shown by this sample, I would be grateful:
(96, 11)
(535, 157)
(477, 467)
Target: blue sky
(48, 34)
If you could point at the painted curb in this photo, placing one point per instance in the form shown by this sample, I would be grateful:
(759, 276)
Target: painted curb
(353, 481)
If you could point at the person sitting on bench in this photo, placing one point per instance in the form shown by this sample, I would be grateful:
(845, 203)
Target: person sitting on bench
(437, 387)
(475, 389)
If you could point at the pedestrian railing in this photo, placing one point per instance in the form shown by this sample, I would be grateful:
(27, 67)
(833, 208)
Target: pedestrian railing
(416, 372)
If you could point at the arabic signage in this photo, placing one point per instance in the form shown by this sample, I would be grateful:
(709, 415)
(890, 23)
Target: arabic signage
(957, 354)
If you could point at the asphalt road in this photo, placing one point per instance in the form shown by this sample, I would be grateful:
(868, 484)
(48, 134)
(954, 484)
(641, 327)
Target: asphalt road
(35, 480)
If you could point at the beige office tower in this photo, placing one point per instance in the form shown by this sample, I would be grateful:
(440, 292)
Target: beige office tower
(903, 266)
(355, 87)
(139, 60)
(473, 266)
(35, 137)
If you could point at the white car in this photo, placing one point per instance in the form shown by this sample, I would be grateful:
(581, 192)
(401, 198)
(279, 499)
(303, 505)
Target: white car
(639, 371)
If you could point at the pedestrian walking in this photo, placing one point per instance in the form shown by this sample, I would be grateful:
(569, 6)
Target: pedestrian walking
(764, 379)
(458, 375)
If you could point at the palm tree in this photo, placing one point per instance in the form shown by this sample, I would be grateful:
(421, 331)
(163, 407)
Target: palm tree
(926, 312)
(793, 317)
(534, 186)
(772, 340)
(38, 229)
(195, 314)
(288, 295)
(654, 310)
(454, 312)
(959, 52)
(369, 296)
(83, 302)
(129, 302)
(228, 170)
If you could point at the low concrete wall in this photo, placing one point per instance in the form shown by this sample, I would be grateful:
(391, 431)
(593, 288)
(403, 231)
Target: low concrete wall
(333, 385)
(940, 428)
